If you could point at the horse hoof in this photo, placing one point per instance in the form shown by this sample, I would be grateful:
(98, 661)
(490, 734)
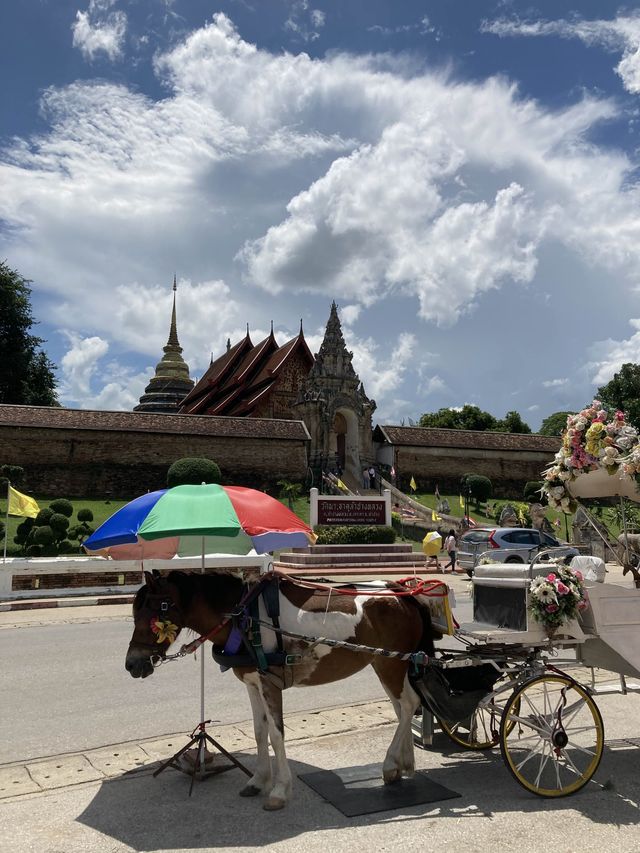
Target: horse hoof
(273, 804)
(390, 777)
(249, 791)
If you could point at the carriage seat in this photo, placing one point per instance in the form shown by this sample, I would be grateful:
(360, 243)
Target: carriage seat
(592, 568)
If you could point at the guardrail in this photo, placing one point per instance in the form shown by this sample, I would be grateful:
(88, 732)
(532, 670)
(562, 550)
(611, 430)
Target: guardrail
(77, 566)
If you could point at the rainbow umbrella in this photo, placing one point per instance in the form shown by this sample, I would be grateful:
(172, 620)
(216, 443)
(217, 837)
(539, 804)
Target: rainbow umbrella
(190, 520)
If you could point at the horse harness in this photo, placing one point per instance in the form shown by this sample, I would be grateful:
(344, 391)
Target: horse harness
(244, 646)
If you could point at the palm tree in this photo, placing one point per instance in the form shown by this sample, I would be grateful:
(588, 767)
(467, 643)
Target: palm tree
(289, 491)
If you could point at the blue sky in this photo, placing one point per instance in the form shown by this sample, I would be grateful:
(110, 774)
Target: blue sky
(461, 177)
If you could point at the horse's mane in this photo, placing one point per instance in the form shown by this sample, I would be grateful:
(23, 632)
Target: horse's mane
(219, 590)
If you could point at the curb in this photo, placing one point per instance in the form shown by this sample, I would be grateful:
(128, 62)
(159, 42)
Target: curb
(118, 762)
(45, 603)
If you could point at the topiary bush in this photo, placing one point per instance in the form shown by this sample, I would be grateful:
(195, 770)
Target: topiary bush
(479, 487)
(62, 506)
(34, 551)
(85, 515)
(43, 516)
(42, 535)
(193, 470)
(355, 535)
(59, 524)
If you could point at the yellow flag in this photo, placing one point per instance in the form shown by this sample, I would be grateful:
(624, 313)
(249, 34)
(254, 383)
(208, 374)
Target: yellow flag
(435, 516)
(412, 484)
(341, 485)
(461, 502)
(20, 504)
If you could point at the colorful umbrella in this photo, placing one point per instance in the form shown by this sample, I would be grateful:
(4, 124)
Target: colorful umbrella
(190, 520)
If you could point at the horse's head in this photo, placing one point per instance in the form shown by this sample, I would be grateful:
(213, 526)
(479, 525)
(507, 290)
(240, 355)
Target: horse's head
(158, 618)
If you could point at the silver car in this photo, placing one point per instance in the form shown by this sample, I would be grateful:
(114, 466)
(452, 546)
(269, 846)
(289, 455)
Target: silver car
(506, 545)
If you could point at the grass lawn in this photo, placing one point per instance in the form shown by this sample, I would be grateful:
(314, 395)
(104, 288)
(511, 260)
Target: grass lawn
(102, 510)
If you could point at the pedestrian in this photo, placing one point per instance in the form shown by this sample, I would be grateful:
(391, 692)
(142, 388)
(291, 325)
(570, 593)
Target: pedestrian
(372, 477)
(450, 548)
(365, 478)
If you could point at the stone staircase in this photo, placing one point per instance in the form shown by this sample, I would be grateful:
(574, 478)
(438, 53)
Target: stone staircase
(338, 560)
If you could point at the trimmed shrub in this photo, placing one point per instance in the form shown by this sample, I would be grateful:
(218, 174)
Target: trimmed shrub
(34, 551)
(58, 523)
(43, 516)
(42, 535)
(521, 508)
(85, 515)
(61, 506)
(480, 487)
(355, 535)
(66, 547)
(193, 470)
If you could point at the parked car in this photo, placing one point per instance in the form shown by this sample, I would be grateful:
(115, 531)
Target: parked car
(507, 544)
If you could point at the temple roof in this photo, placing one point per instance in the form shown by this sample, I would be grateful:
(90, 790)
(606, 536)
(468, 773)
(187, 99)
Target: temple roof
(44, 417)
(401, 436)
(240, 379)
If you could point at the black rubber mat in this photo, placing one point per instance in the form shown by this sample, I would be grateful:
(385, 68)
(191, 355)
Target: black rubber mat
(360, 790)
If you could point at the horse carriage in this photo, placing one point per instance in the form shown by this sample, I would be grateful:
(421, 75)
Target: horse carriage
(509, 685)
(502, 681)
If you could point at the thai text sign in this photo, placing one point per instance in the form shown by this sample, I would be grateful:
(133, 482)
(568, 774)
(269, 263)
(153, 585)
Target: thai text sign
(348, 511)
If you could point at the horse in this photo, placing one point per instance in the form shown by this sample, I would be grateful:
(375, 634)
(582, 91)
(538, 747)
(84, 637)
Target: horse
(394, 621)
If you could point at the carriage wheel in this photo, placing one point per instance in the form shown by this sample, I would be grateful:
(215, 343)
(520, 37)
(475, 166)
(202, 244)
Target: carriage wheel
(551, 736)
(482, 729)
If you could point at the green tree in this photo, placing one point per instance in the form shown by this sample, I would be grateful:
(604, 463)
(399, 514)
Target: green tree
(474, 418)
(467, 417)
(554, 424)
(26, 374)
(623, 392)
(512, 422)
(289, 491)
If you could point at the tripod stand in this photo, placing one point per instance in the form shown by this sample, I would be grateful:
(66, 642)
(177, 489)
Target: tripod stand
(199, 739)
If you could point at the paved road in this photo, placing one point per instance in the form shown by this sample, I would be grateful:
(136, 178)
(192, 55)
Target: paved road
(64, 687)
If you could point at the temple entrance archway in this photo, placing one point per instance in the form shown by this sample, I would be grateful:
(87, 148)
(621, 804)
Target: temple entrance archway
(344, 441)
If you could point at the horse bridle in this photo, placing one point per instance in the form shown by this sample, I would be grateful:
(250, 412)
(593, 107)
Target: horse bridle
(158, 606)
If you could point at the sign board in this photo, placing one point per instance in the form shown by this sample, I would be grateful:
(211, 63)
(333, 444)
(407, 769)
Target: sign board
(352, 510)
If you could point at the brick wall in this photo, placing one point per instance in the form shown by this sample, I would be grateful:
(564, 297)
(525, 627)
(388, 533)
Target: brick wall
(508, 471)
(124, 464)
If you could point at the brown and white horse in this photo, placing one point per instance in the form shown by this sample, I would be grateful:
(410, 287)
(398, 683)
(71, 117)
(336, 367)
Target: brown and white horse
(201, 603)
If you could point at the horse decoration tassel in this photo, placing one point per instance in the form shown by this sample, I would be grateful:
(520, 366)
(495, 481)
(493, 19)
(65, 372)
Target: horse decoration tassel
(362, 622)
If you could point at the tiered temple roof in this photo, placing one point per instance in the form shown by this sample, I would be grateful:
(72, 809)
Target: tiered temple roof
(238, 383)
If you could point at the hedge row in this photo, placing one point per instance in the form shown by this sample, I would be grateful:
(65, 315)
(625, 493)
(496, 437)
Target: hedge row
(355, 535)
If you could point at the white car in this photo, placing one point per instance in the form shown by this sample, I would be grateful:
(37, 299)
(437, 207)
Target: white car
(507, 545)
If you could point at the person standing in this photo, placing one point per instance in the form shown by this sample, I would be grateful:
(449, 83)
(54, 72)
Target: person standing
(372, 477)
(365, 478)
(450, 548)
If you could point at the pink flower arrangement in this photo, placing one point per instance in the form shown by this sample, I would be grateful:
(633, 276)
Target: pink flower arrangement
(557, 597)
(594, 438)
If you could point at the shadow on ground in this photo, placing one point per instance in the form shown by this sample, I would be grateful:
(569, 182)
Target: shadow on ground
(149, 814)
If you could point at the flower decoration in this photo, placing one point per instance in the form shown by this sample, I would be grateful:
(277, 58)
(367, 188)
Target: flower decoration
(165, 631)
(594, 438)
(557, 597)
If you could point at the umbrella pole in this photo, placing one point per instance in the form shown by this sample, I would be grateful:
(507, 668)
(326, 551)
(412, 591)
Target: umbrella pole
(202, 744)
(200, 737)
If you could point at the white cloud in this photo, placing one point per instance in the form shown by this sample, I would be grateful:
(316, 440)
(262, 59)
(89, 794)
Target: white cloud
(554, 383)
(79, 365)
(99, 30)
(609, 356)
(618, 35)
(305, 22)
(272, 181)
